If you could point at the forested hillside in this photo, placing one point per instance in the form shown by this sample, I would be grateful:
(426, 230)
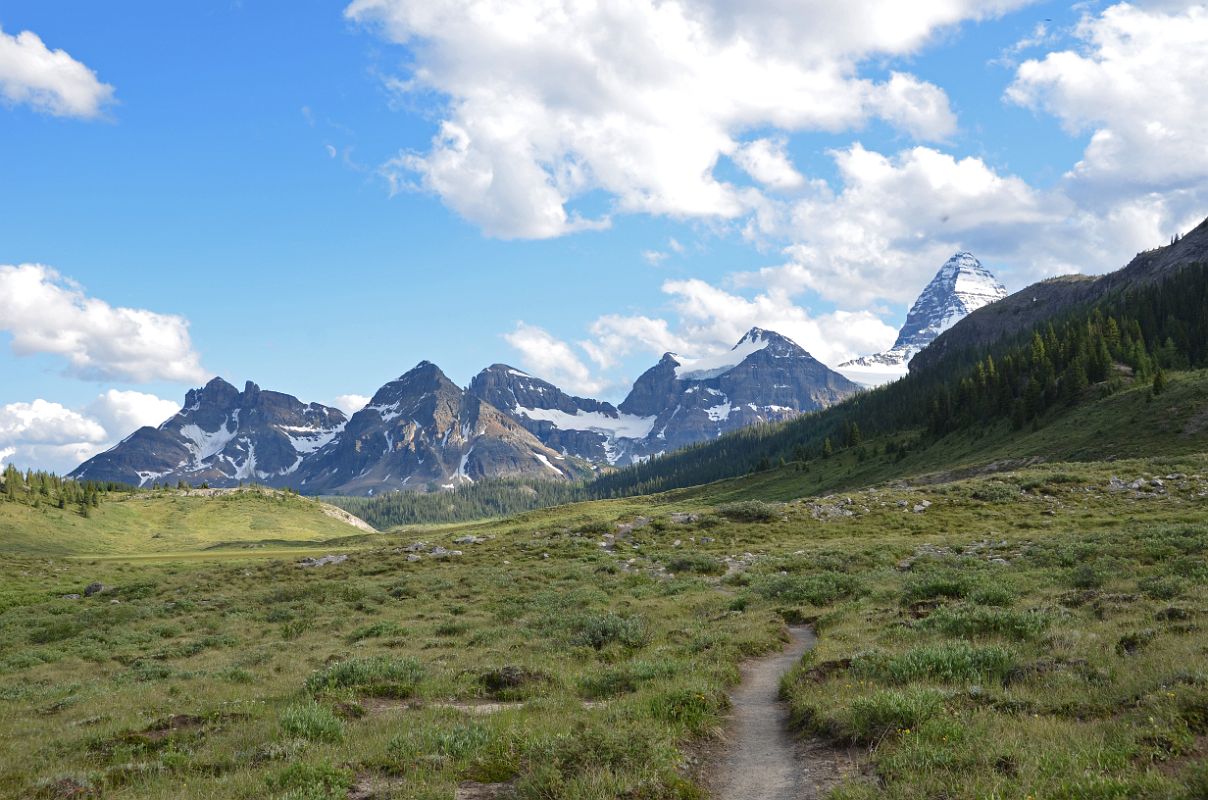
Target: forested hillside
(1130, 337)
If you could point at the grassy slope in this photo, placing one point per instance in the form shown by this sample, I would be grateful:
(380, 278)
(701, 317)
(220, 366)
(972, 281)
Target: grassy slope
(169, 522)
(1074, 668)
(1132, 423)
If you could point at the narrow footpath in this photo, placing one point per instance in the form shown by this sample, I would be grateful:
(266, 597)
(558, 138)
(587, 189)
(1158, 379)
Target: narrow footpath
(764, 759)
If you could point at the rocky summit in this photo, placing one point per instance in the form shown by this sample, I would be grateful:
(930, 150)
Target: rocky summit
(423, 432)
(961, 287)
(223, 437)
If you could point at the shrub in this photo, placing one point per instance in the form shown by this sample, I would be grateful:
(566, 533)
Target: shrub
(312, 722)
(869, 718)
(377, 631)
(698, 563)
(609, 682)
(1086, 576)
(693, 709)
(605, 629)
(1162, 587)
(950, 661)
(992, 595)
(380, 677)
(750, 511)
(820, 589)
(311, 782)
(437, 746)
(965, 620)
(995, 493)
(937, 585)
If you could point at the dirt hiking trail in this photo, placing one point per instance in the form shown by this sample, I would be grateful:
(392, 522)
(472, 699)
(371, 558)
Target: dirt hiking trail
(764, 759)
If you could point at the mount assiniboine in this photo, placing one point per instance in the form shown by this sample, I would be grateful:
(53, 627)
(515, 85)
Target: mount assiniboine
(961, 287)
(423, 432)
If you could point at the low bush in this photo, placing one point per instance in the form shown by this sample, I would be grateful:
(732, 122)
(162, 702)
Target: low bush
(881, 713)
(952, 662)
(313, 722)
(972, 620)
(750, 511)
(605, 629)
(820, 589)
(697, 563)
(379, 677)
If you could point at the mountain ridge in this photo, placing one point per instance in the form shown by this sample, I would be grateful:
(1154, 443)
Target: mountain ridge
(423, 432)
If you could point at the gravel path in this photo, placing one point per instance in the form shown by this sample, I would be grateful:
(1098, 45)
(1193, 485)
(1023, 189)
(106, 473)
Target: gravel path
(765, 761)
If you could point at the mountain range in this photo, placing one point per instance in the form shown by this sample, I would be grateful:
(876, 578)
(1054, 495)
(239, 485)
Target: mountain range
(423, 432)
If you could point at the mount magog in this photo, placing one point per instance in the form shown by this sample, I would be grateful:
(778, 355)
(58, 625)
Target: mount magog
(961, 287)
(423, 432)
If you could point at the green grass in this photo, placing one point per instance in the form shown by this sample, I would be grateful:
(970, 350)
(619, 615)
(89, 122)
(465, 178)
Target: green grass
(1029, 633)
(172, 523)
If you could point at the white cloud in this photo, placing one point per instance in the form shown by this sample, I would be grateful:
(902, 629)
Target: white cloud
(549, 100)
(765, 160)
(552, 359)
(50, 81)
(47, 313)
(350, 403)
(1137, 84)
(123, 412)
(46, 435)
(893, 221)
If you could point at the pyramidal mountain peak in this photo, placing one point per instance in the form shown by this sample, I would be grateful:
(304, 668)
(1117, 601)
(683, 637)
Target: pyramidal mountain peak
(960, 287)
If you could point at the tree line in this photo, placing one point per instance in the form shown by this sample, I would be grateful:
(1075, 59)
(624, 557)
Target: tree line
(1132, 336)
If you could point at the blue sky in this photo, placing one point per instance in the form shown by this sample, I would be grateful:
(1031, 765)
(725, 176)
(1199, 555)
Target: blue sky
(267, 173)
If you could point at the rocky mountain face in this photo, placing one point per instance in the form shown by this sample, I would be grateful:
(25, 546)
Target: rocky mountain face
(766, 377)
(221, 436)
(1047, 299)
(423, 432)
(961, 286)
(576, 426)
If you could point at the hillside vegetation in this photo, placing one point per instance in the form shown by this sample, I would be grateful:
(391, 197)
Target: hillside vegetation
(125, 521)
(1038, 632)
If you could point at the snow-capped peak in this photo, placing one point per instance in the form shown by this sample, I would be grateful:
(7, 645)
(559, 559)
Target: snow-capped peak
(699, 369)
(961, 286)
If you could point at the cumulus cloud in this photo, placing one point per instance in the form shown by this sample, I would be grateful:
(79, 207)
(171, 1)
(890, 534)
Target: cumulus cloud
(123, 412)
(893, 221)
(46, 435)
(548, 101)
(765, 160)
(47, 313)
(49, 81)
(708, 320)
(1137, 86)
(551, 359)
(350, 403)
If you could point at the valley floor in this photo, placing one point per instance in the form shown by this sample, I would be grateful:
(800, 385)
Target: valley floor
(1029, 634)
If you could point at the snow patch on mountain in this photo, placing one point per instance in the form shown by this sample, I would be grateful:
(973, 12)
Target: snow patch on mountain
(624, 426)
(306, 439)
(203, 444)
(702, 369)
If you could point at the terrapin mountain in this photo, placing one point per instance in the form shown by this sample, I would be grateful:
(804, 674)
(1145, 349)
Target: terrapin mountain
(961, 287)
(423, 432)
